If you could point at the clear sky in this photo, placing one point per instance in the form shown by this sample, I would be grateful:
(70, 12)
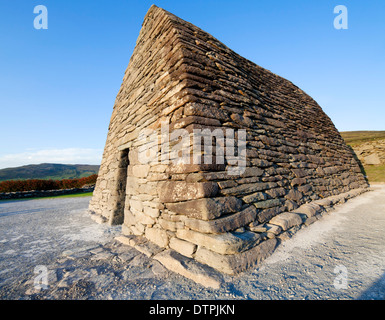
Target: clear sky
(58, 86)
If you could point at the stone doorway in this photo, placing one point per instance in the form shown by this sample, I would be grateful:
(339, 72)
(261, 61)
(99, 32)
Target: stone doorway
(121, 181)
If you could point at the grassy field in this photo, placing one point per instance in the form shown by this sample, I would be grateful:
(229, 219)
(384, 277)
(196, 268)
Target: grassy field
(75, 195)
(374, 173)
(354, 138)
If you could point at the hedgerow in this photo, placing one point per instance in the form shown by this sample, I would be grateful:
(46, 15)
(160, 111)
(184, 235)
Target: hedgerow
(37, 184)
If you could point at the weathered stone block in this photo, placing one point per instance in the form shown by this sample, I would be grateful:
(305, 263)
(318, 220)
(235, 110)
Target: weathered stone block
(266, 214)
(235, 263)
(294, 195)
(197, 109)
(189, 268)
(136, 205)
(249, 188)
(276, 230)
(206, 208)
(267, 204)
(176, 191)
(224, 224)
(167, 225)
(140, 171)
(254, 197)
(157, 236)
(286, 220)
(224, 243)
(188, 168)
(276, 193)
(144, 219)
(309, 209)
(151, 212)
(183, 247)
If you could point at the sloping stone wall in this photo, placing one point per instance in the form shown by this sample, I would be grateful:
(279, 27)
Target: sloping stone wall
(183, 77)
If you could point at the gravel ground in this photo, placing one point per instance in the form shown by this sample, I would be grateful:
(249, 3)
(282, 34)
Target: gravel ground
(340, 256)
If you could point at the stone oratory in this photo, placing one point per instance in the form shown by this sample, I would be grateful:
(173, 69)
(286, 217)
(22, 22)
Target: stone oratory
(277, 162)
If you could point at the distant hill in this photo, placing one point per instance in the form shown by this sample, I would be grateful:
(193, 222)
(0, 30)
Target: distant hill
(48, 171)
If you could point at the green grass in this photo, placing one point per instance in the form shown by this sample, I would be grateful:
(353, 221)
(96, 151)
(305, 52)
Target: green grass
(375, 173)
(75, 195)
(354, 138)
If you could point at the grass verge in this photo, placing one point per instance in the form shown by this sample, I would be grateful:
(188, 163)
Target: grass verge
(75, 195)
(375, 173)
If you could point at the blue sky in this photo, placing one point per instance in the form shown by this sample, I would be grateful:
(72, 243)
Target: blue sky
(58, 86)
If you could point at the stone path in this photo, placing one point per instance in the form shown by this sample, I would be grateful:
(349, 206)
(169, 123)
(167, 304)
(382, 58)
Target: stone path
(341, 256)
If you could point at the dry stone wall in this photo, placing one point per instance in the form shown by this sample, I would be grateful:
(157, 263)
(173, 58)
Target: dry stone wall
(184, 78)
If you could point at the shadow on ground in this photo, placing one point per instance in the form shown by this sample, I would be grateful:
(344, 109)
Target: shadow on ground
(376, 291)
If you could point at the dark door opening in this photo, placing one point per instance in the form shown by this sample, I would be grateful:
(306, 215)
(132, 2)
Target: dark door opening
(121, 180)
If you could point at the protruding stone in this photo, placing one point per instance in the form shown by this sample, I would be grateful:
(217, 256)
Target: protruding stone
(183, 247)
(228, 223)
(206, 208)
(235, 263)
(254, 197)
(309, 209)
(267, 204)
(189, 268)
(286, 220)
(157, 236)
(294, 195)
(224, 243)
(175, 191)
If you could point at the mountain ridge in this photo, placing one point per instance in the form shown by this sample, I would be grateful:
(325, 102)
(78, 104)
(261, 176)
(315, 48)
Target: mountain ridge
(45, 171)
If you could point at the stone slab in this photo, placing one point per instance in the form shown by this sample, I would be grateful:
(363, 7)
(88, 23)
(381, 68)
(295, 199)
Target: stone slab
(183, 247)
(141, 244)
(189, 268)
(206, 208)
(309, 209)
(157, 236)
(224, 224)
(235, 263)
(98, 218)
(286, 220)
(224, 243)
(176, 191)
